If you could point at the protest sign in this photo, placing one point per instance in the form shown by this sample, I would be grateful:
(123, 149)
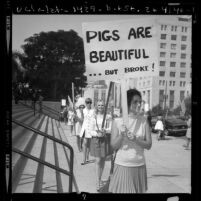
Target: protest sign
(120, 49)
(63, 102)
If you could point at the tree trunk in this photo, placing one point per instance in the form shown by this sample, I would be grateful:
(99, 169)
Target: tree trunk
(55, 90)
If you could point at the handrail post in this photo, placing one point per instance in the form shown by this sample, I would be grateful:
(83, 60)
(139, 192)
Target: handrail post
(44, 162)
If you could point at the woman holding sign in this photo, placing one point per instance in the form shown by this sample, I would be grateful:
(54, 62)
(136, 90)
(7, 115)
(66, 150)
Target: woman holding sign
(130, 174)
(87, 129)
(99, 143)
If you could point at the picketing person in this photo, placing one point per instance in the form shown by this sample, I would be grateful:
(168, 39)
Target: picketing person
(79, 118)
(99, 141)
(87, 128)
(130, 175)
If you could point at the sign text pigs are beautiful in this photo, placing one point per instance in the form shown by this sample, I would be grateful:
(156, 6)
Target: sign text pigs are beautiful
(120, 49)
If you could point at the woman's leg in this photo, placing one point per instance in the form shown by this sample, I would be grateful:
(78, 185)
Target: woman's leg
(102, 165)
(99, 166)
(98, 172)
(87, 148)
(84, 145)
(78, 143)
(188, 142)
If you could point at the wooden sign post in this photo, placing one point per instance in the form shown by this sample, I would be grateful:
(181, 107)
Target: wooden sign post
(107, 102)
(124, 102)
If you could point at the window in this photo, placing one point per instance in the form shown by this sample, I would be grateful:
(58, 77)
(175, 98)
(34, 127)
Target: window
(184, 83)
(95, 95)
(172, 64)
(163, 45)
(172, 74)
(160, 82)
(181, 83)
(183, 38)
(182, 74)
(183, 47)
(173, 83)
(171, 98)
(103, 95)
(162, 54)
(173, 28)
(185, 30)
(172, 55)
(163, 82)
(162, 73)
(163, 36)
(183, 56)
(182, 95)
(182, 64)
(170, 83)
(162, 63)
(182, 29)
(173, 37)
(163, 27)
(173, 46)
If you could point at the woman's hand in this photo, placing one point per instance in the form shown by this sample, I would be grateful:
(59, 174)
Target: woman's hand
(101, 133)
(123, 130)
(130, 136)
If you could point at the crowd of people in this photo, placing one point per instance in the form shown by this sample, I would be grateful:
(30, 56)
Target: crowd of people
(99, 135)
(22, 91)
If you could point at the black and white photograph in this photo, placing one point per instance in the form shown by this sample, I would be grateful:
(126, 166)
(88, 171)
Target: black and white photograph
(101, 103)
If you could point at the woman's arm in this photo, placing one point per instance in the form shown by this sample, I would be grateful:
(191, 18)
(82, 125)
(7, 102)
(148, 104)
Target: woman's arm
(116, 138)
(147, 142)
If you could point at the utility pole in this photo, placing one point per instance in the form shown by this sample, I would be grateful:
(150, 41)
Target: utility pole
(165, 98)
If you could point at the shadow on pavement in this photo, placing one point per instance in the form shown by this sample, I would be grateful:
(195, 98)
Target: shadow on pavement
(164, 175)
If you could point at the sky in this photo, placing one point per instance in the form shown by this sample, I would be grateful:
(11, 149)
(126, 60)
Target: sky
(25, 26)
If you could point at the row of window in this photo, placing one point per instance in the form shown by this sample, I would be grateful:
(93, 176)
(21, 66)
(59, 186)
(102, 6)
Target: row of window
(173, 37)
(172, 74)
(144, 83)
(171, 97)
(172, 83)
(173, 64)
(172, 55)
(173, 46)
(174, 28)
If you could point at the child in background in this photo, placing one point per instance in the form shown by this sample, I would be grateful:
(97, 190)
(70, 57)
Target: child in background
(159, 127)
(71, 119)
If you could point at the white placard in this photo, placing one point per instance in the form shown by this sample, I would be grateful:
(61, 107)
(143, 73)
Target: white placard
(120, 49)
(63, 102)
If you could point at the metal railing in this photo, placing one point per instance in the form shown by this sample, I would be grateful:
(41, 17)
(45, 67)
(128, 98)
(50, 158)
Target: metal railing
(46, 108)
(68, 173)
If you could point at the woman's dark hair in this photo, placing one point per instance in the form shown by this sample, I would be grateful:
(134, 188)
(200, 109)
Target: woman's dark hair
(130, 94)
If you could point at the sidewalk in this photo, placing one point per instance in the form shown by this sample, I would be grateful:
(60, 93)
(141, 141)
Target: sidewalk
(168, 166)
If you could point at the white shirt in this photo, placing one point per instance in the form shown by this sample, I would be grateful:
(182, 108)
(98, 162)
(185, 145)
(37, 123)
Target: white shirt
(98, 124)
(88, 123)
(78, 125)
(159, 125)
(130, 154)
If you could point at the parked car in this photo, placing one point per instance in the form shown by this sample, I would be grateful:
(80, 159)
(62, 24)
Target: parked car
(175, 127)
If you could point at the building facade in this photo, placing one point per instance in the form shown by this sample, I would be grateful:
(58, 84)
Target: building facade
(173, 83)
(174, 60)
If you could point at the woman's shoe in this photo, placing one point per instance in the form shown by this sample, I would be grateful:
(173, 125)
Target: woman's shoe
(84, 163)
(98, 187)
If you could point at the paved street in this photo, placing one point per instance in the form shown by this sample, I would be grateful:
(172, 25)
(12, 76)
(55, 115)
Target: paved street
(168, 166)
